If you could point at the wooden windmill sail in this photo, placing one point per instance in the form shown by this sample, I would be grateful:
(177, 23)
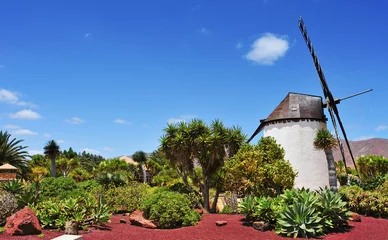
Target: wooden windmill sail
(331, 103)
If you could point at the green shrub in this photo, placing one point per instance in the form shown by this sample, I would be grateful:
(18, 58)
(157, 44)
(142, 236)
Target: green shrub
(383, 188)
(267, 209)
(13, 186)
(372, 166)
(91, 186)
(55, 213)
(8, 205)
(60, 188)
(369, 203)
(373, 182)
(127, 198)
(170, 210)
(259, 169)
(226, 210)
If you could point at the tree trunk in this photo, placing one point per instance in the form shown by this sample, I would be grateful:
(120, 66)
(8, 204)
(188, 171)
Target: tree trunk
(53, 168)
(331, 168)
(215, 200)
(205, 193)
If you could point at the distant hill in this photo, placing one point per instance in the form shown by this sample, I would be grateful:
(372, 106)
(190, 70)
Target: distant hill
(374, 146)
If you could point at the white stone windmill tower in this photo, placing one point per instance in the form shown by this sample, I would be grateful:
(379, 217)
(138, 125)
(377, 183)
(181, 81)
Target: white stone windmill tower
(294, 124)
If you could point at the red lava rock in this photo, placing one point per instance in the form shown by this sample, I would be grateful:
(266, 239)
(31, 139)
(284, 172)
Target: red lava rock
(137, 218)
(355, 217)
(221, 223)
(261, 226)
(23, 222)
(198, 210)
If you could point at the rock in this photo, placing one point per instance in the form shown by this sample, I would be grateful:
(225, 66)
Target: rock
(261, 226)
(355, 217)
(198, 210)
(221, 223)
(137, 219)
(123, 221)
(71, 228)
(23, 222)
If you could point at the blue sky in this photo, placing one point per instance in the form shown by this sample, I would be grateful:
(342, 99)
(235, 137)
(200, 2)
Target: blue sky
(107, 76)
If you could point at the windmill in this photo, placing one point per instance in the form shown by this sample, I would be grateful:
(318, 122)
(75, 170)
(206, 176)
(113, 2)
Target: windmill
(331, 103)
(294, 124)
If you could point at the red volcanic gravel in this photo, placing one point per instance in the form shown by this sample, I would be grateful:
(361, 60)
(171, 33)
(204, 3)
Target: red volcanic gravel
(368, 229)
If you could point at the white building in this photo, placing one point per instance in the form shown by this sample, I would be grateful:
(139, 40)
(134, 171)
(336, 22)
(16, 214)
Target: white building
(294, 124)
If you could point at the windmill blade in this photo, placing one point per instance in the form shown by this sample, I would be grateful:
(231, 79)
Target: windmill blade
(331, 104)
(334, 107)
(337, 136)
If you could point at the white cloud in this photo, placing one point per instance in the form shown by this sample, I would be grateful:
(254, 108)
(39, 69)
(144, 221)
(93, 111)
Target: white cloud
(34, 152)
(26, 114)
(268, 49)
(121, 121)
(90, 150)
(239, 45)
(10, 126)
(23, 132)
(87, 35)
(382, 128)
(363, 138)
(60, 141)
(182, 118)
(46, 135)
(203, 30)
(74, 120)
(13, 98)
(108, 149)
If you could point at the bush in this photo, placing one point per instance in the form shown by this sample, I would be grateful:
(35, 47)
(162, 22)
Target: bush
(170, 210)
(127, 198)
(369, 203)
(227, 210)
(60, 188)
(260, 170)
(91, 186)
(231, 201)
(383, 188)
(372, 166)
(372, 183)
(54, 214)
(8, 206)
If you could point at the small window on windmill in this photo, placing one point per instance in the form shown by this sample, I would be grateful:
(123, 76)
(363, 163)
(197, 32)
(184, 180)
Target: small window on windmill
(294, 110)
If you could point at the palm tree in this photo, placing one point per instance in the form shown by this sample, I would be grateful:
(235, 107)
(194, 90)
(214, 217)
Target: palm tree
(51, 150)
(325, 141)
(12, 152)
(141, 158)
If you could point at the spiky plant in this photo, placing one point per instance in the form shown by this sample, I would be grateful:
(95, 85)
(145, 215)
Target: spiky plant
(325, 141)
(12, 152)
(51, 150)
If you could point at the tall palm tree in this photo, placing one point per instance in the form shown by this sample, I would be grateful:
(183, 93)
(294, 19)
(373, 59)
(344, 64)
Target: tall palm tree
(141, 158)
(51, 150)
(325, 141)
(12, 152)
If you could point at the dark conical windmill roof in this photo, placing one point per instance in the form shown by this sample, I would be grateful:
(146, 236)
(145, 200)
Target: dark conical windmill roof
(295, 106)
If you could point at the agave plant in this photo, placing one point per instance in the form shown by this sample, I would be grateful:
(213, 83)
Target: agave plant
(267, 209)
(14, 186)
(247, 206)
(333, 210)
(299, 220)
